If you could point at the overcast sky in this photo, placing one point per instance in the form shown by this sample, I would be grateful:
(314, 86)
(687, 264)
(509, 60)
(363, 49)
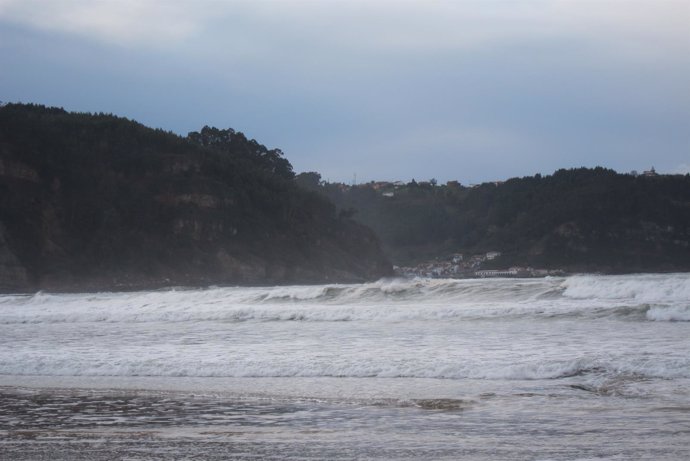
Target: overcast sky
(468, 90)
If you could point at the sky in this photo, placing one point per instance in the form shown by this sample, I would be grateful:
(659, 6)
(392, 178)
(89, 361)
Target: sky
(376, 90)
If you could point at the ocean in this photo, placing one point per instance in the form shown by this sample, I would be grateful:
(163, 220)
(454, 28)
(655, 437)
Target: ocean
(585, 367)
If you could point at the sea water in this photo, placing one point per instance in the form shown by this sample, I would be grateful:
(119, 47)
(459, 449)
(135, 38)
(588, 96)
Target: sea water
(583, 367)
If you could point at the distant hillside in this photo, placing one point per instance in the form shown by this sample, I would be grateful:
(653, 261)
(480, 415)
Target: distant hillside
(101, 202)
(578, 220)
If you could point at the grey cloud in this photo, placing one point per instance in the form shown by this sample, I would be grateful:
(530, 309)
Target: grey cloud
(466, 90)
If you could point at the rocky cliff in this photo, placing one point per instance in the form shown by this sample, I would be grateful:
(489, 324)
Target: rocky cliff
(97, 202)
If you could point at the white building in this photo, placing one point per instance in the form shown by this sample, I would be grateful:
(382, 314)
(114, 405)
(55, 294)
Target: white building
(496, 273)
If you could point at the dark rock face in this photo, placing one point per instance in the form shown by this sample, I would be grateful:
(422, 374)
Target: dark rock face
(12, 273)
(101, 203)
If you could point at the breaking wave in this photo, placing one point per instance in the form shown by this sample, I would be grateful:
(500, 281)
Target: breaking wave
(646, 288)
(591, 368)
(642, 297)
(590, 332)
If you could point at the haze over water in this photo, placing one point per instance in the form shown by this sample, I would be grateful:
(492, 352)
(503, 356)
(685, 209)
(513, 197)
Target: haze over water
(584, 367)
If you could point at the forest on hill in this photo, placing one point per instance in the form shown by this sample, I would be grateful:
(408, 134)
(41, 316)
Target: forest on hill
(95, 201)
(584, 219)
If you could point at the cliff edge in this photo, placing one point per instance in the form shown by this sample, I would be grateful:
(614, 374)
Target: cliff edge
(98, 202)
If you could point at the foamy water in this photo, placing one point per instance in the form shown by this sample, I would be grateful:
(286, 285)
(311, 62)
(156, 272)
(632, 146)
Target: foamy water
(587, 353)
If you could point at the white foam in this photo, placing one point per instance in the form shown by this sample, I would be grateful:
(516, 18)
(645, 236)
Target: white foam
(443, 329)
(126, 311)
(387, 300)
(593, 369)
(680, 313)
(645, 288)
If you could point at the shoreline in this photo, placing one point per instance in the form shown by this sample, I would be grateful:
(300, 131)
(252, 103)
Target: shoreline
(372, 392)
(166, 286)
(544, 420)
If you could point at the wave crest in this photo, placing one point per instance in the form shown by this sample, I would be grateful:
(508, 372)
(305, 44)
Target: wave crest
(585, 368)
(645, 288)
(644, 297)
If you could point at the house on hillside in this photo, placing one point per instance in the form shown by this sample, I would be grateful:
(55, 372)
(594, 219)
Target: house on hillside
(491, 255)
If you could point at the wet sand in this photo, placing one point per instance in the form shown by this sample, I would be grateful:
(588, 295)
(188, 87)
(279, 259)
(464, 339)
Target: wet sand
(101, 424)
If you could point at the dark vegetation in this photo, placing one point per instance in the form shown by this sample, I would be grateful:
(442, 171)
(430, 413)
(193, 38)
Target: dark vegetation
(578, 219)
(101, 202)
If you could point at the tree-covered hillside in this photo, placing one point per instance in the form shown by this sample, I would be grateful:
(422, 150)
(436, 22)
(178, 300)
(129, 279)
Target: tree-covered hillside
(100, 201)
(579, 219)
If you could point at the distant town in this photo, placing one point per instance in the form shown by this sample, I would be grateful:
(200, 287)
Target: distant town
(459, 267)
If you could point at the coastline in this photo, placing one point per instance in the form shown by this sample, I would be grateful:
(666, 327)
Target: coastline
(589, 367)
(165, 284)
